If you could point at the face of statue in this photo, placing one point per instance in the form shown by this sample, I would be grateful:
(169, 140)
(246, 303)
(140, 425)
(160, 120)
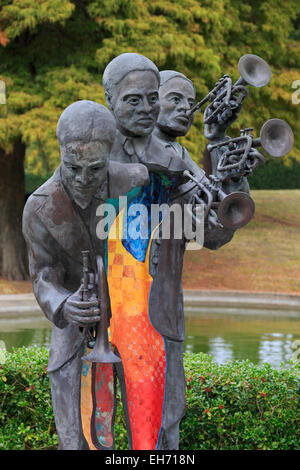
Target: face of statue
(136, 104)
(176, 97)
(83, 169)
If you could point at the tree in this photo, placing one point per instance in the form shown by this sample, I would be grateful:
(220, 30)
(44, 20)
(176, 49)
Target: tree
(53, 52)
(44, 64)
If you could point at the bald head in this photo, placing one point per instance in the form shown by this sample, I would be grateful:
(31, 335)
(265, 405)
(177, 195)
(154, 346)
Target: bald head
(86, 121)
(131, 83)
(121, 66)
(86, 132)
(177, 96)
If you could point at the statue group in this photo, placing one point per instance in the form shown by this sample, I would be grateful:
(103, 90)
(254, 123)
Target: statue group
(88, 281)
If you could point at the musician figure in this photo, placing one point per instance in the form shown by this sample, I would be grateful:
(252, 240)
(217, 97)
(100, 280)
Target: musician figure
(144, 276)
(59, 222)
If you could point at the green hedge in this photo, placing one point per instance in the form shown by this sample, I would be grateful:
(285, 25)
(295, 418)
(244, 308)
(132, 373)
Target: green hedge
(276, 173)
(26, 417)
(240, 405)
(32, 182)
(236, 405)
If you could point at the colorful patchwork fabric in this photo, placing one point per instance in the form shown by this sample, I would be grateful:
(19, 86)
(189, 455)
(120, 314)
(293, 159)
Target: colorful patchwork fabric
(141, 347)
(157, 192)
(97, 405)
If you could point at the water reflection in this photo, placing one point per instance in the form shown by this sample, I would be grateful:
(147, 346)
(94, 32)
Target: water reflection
(230, 336)
(227, 336)
(220, 350)
(276, 348)
(32, 332)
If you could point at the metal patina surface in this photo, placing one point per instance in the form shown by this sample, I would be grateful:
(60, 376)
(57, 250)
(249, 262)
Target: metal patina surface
(133, 285)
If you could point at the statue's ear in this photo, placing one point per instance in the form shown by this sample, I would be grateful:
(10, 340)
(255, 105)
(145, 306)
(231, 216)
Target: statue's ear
(109, 101)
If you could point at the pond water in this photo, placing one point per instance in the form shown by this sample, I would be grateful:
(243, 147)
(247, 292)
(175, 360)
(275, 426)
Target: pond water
(226, 336)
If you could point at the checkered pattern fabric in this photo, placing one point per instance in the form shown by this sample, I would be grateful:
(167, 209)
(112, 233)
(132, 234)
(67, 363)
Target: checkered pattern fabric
(141, 347)
(102, 388)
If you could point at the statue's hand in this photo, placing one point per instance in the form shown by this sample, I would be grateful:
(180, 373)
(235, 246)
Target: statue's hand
(79, 312)
(217, 130)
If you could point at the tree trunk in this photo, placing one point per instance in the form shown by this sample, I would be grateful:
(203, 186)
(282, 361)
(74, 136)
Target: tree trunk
(13, 254)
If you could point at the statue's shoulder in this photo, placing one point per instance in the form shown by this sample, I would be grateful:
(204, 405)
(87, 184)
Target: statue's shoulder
(158, 145)
(125, 176)
(117, 151)
(161, 156)
(49, 186)
(37, 198)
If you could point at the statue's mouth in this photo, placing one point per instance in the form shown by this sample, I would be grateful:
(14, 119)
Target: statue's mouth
(182, 118)
(146, 121)
(83, 189)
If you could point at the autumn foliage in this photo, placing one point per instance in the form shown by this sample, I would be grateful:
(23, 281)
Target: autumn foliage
(53, 52)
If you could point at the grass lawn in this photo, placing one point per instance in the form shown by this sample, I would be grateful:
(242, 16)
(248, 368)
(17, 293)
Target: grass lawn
(264, 256)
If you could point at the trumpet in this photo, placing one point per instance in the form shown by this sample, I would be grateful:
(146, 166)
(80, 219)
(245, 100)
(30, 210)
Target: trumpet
(240, 157)
(101, 352)
(234, 210)
(226, 96)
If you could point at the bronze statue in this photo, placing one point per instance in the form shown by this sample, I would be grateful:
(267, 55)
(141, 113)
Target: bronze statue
(131, 84)
(58, 224)
(128, 283)
(158, 261)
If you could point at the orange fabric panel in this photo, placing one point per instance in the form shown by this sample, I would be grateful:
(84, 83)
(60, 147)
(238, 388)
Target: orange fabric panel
(141, 347)
(102, 388)
(86, 402)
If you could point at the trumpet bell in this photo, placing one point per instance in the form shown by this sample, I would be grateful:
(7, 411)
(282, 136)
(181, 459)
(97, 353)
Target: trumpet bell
(236, 210)
(254, 70)
(101, 352)
(276, 137)
(102, 357)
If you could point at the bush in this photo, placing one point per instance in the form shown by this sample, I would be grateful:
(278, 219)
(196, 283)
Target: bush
(26, 417)
(32, 182)
(277, 173)
(236, 405)
(240, 405)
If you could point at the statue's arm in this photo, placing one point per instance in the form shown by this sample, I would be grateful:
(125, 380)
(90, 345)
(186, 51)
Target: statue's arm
(239, 183)
(214, 237)
(125, 176)
(233, 184)
(46, 270)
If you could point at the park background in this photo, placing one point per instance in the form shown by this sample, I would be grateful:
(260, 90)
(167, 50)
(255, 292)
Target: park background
(53, 52)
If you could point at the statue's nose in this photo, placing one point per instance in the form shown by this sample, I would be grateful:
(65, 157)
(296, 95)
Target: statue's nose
(184, 105)
(146, 107)
(82, 177)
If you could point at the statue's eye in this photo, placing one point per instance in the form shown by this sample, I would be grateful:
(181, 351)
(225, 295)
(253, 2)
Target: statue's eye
(175, 99)
(73, 168)
(133, 101)
(153, 99)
